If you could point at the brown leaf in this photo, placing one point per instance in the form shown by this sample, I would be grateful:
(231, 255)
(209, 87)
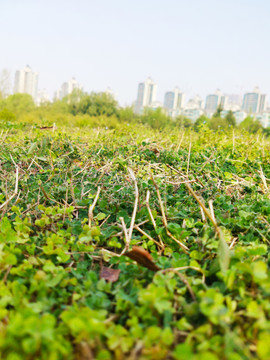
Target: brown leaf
(83, 351)
(109, 274)
(142, 257)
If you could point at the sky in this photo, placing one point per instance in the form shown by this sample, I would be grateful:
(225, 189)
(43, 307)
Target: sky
(197, 45)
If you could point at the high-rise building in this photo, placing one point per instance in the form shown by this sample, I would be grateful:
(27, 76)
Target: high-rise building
(147, 92)
(254, 102)
(67, 88)
(42, 97)
(194, 103)
(174, 102)
(26, 81)
(192, 113)
(234, 102)
(213, 101)
(263, 103)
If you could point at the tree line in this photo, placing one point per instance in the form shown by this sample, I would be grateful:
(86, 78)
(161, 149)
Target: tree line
(101, 109)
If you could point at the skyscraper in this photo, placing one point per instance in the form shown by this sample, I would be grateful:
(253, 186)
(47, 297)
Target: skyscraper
(67, 88)
(42, 97)
(234, 102)
(174, 102)
(254, 102)
(213, 101)
(147, 92)
(26, 81)
(194, 103)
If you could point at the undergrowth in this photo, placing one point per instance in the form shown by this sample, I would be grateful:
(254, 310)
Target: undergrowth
(74, 205)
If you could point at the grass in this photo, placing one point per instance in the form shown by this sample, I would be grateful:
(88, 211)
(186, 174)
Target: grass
(134, 244)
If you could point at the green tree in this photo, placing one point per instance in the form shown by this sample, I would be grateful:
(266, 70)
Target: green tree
(7, 115)
(251, 124)
(95, 104)
(184, 122)
(18, 103)
(127, 114)
(217, 114)
(230, 118)
(216, 123)
(157, 119)
(203, 120)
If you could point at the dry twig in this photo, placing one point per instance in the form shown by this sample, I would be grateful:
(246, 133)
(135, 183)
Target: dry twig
(15, 190)
(91, 207)
(164, 220)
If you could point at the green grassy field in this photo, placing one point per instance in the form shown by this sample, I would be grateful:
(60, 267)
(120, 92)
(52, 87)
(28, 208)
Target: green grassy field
(80, 206)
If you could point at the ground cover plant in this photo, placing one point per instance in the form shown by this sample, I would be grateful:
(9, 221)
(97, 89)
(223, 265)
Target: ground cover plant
(134, 244)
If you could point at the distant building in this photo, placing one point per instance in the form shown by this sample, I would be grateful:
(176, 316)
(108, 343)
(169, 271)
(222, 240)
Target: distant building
(174, 102)
(264, 119)
(239, 116)
(109, 92)
(155, 105)
(254, 102)
(263, 103)
(146, 96)
(234, 102)
(212, 102)
(42, 97)
(223, 101)
(195, 103)
(67, 88)
(193, 108)
(192, 114)
(26, 82)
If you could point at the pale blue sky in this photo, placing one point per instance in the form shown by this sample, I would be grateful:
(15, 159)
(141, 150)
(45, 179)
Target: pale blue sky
(197, 45)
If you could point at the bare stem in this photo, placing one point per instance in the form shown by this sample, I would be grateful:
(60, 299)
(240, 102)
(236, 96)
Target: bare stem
(147, 235)
(152, 217)
(135, 203)
(164, 220)
(15, 190)
(91, 207)
(206, 211)
(189, 152)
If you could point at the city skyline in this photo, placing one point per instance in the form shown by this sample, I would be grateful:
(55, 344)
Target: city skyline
(26, 81)
(73, 83)
(174, 105)
(199, 46)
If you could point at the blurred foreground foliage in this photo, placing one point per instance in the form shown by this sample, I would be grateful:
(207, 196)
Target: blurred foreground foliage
(210, 302)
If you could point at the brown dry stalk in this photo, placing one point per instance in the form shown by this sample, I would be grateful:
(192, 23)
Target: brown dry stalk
(147, 235)
(164, 220)
(15, 190)
(152, 217)
(91, 207)
(189, 153)
(206, 211)
(180, 142)
(266, 190)
(127, 240)
(131, 173)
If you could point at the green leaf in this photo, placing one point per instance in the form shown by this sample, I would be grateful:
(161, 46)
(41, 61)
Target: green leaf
(11, 259)
(259, 270)
(223, 253)
(100, 216)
